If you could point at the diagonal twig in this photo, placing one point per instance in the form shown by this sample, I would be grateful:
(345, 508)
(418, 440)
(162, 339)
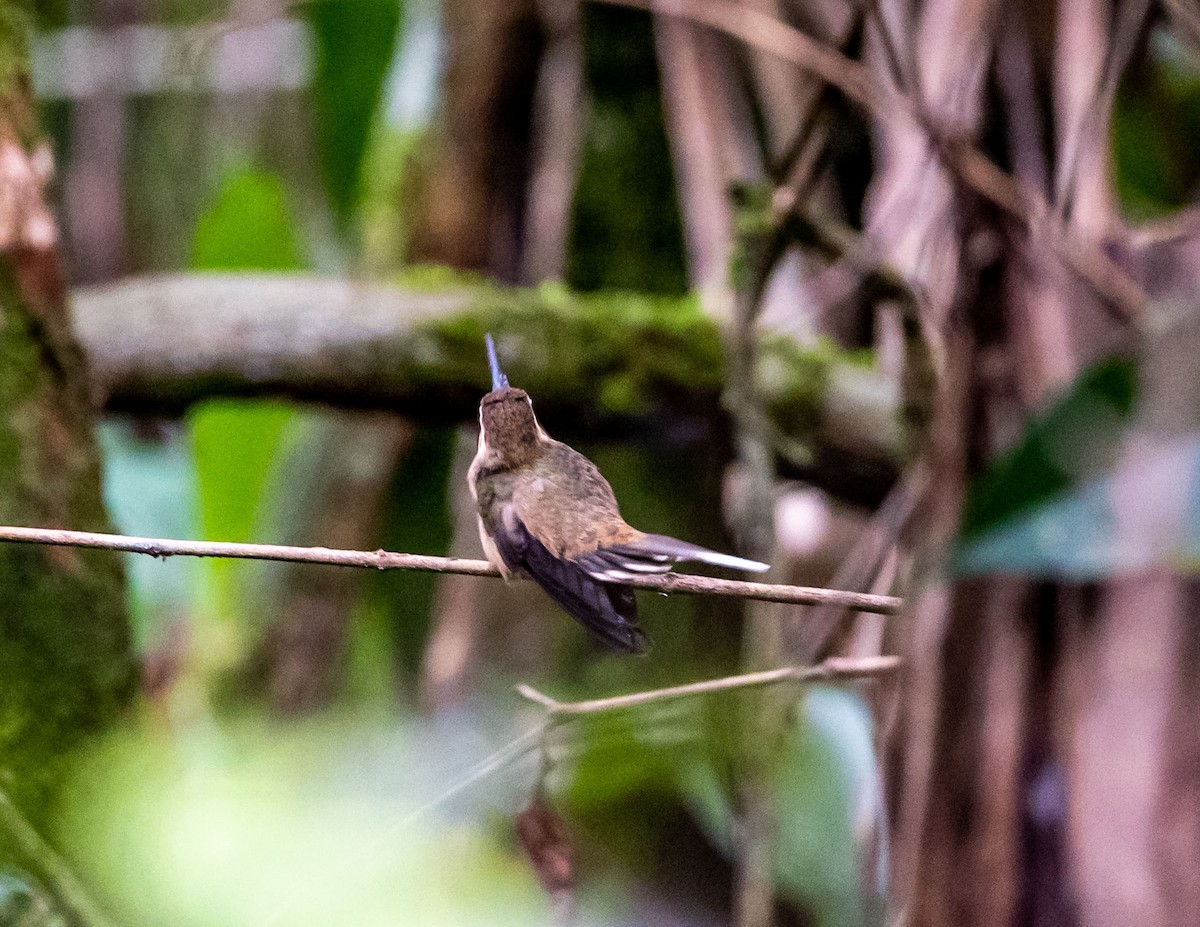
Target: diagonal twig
(834, 668)
(52, 867)
(963, 160)
(385, 560)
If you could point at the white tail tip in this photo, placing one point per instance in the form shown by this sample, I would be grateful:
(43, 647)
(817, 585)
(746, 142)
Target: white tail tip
(734, 563)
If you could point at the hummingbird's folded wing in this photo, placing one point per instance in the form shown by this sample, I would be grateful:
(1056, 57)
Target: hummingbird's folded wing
(656, 553)
(608, 612)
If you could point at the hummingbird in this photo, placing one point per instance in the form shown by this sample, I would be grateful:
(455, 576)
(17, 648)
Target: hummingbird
(546, 512)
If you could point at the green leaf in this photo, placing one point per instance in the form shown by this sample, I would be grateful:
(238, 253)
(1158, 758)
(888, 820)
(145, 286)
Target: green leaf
(1154, 126)
(823, 772)
(248, 227)
(1145, 513)
(355, 41)
(1079, 434)
(235, 445)
(1108, 481)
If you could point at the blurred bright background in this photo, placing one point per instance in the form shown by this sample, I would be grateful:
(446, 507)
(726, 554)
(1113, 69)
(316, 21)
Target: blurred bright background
(317, 746)
(309, 749)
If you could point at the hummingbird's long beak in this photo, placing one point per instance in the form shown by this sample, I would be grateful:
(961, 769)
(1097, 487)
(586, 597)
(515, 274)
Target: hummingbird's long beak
(499, 380)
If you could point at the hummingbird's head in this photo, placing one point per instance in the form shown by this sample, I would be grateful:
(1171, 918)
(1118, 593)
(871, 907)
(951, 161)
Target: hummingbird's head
(510, 429)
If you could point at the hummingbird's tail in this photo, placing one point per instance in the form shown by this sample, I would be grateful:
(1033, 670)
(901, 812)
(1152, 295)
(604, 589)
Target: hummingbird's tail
(608, 612)
(657, 553)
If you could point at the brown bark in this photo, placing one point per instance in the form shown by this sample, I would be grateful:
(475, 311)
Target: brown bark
(708, 124)
(473, 208)
(1040, 749)
(65, 651)
(560, 115)
(1177, 809)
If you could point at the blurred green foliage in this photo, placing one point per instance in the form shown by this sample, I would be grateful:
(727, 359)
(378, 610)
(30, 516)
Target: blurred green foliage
(355, 42)
(329, 822)
(248, 226)
(636, 771)
(1155, 127)
(385, 207)
(392, 626)
(235, 449)
(16, 23)
(193, 818)
(626, 230)
(234, 445)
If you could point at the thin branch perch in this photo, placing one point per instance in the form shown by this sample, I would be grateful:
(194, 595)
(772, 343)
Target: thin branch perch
(386, 560)
(840, 668)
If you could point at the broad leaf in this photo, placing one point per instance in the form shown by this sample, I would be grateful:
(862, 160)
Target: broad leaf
(1079, 434)
(355, 41)
(247, 227)
(1108, 480)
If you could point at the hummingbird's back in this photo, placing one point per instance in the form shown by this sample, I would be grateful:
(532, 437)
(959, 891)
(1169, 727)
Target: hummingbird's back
(571, 505)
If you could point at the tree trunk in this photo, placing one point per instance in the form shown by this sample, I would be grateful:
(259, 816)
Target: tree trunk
(473, 212)
(65, 652)
(1045, 771)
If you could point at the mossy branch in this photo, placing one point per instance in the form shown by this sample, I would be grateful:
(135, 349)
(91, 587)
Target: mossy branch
(162, 343)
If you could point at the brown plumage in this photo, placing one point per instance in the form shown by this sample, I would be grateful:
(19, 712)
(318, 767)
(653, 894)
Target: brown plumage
(545, 511)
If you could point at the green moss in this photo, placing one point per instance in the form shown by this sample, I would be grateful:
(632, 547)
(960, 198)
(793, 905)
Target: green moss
(753, 210)
(629, 351)
(16, 26)
(622, 347)
(65, 652)
(795, 382)
(431, 278)
(626, 230)
(19, 370)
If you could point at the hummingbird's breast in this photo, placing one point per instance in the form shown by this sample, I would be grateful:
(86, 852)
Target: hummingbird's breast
(490, 483)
